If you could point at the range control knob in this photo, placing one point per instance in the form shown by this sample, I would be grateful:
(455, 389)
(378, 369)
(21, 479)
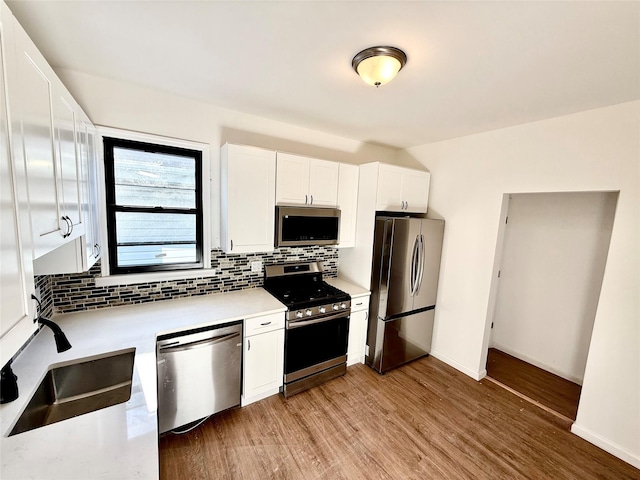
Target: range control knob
(308, 312)
(336, 306)
(299, 314)
(343, 305)
(322, 310)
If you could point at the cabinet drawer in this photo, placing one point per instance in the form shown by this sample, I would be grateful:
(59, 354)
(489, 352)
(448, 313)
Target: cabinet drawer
(360, 303)
(265, 323)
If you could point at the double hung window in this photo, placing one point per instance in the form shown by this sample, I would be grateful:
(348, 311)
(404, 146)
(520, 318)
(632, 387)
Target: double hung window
(154, 207)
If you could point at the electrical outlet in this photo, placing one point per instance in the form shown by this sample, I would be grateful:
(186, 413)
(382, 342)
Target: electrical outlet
(256, 266)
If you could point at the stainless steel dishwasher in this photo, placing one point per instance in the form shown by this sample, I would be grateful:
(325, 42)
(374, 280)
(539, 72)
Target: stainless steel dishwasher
(199, 373)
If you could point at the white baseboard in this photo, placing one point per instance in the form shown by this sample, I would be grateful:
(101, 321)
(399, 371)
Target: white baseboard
(458, 366)
(601, 442)
(535, 363)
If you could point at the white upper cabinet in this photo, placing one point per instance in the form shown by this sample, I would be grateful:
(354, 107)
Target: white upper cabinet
(16, 275)
(64, 122)
(248, 179)
(348, 203)
(82, 253)
(45, 118)
(306, 181)
(402, 189)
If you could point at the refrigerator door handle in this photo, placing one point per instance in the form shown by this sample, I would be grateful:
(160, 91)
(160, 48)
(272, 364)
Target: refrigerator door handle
(414, 266)
(420, 265)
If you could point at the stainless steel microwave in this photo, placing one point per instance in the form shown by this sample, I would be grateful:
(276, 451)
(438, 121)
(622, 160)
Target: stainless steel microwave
(302, 226)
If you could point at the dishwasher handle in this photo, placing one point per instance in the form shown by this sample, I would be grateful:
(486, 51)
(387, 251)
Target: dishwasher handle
(172, 347)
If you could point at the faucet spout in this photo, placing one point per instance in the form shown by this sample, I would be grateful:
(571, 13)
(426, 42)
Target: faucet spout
(62, 343)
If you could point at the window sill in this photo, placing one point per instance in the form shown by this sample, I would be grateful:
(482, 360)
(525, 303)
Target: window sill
(134, 278)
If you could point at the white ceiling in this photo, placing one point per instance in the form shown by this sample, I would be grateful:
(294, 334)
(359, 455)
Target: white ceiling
(473, 66)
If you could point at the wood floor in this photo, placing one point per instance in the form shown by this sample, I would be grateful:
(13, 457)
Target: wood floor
(424, 420)
(541, 386)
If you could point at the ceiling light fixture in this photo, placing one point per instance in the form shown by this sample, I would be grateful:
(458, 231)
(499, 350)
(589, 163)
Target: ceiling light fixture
(379, 65)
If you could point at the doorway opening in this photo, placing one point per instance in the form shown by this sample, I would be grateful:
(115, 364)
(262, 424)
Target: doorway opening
(551, 256)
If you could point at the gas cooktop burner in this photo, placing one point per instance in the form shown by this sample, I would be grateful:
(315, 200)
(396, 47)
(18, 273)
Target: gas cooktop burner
(301, 288)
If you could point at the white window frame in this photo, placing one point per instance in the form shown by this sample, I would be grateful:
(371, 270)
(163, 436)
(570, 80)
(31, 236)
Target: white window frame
(106, 279)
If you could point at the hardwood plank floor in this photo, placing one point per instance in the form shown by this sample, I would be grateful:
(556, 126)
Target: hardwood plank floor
(550, 390)
(424, 420)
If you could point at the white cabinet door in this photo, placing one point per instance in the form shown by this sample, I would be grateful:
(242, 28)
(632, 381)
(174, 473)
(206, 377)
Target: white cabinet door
(46, 132)
(402, 189)
(292, 181)
(357, 336)
(64, 122)
(415, 190)
(16, 275)
(263, 365)
(348, 203)
(389, 196)
(95, 192)
(32, 106)
(323, 183)
(306, 181)
(248, 199)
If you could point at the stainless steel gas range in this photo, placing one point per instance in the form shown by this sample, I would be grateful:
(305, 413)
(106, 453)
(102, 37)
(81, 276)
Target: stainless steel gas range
(317, 324)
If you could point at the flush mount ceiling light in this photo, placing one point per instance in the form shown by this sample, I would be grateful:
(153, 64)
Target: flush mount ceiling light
(378, 65)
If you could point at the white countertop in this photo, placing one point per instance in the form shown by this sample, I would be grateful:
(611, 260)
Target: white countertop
(346, 286)
(121, 441)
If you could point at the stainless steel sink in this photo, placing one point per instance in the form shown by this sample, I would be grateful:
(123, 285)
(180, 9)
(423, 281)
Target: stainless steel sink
(86, 385)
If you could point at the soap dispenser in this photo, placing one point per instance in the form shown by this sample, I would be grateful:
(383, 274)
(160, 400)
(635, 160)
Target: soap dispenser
(8, 384)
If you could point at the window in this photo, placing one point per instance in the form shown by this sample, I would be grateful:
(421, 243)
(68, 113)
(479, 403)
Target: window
(154, 206)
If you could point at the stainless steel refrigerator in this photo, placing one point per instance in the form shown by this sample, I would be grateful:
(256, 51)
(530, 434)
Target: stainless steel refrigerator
(404, 283)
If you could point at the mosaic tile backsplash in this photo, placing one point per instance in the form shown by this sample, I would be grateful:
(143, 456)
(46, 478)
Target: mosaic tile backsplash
(76, 292)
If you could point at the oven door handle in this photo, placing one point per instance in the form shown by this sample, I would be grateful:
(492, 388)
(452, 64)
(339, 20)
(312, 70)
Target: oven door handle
(291, 325)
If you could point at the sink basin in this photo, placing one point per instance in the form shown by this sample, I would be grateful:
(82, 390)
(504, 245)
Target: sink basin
(72, 389)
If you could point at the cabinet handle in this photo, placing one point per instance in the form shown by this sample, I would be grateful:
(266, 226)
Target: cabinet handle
(305, 198)
(231, 244)
(249, 343)
(265, 323)
(69, 226)
(366, 315)
(311, 199)
(358, 304)
(406, 205)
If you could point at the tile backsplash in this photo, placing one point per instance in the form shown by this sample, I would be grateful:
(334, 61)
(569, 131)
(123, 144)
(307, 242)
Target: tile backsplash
(76, 292)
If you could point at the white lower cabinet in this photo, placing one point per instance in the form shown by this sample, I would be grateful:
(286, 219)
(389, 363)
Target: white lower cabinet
(263, 357)
(358, 325)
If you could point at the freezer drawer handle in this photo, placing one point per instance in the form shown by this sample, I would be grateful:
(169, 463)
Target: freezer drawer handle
(197, 344)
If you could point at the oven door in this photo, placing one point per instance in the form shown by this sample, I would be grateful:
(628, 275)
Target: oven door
(312, 346)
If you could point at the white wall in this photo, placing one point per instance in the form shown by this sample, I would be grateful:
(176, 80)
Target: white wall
(553, 260)
(596, 150)
(132, 107)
